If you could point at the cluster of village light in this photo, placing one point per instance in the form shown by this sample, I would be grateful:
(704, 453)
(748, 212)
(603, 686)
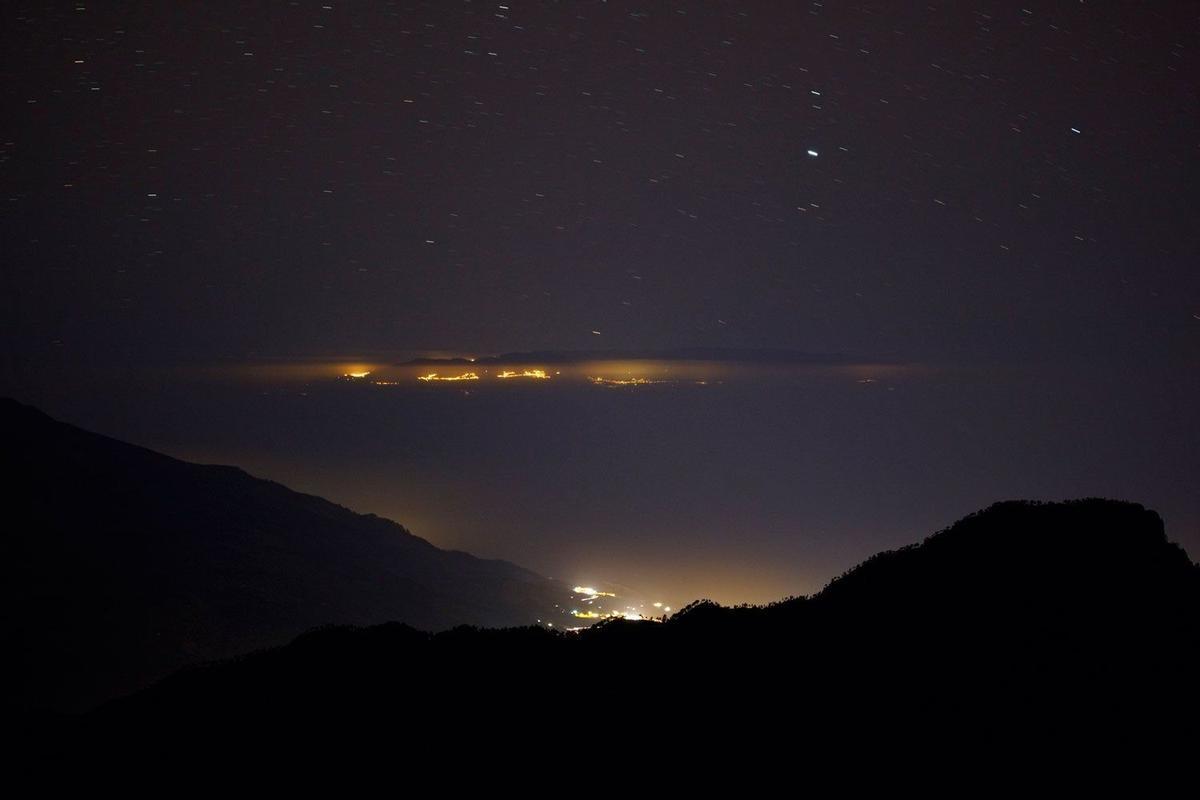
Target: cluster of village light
(538, 374)
(588, 597)
(528, 373)
(508, 374)
(433, 376)
(623, 381)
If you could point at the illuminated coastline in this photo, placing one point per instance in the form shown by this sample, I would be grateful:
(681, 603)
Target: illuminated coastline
(593, 611)
(611, 374)
(527, 373)
(600, 381)
(433, 376)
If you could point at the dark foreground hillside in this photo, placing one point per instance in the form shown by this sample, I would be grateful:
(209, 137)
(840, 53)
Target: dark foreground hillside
(119, 565)
(1056, 624)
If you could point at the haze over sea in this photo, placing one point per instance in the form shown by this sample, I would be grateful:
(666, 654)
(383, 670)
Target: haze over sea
(737, 481)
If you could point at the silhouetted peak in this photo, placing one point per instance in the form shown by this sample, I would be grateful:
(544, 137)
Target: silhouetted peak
(115, 540)
(1056, 620)
(1029, 550)
(10, 407)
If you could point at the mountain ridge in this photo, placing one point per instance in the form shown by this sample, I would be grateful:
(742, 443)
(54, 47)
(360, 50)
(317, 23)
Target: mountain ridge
(1079, 615)
(156, 562)
(905, 649)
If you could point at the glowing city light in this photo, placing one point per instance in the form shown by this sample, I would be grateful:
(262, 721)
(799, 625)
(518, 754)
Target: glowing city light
(433, 376)
(599, 381)
(529, 373)
(591, 592)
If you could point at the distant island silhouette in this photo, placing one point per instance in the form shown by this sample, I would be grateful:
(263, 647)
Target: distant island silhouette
(1076, 621)
(725, 354)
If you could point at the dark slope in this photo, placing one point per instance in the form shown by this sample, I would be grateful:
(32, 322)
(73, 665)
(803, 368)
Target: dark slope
(121, 565)
(1059, 624)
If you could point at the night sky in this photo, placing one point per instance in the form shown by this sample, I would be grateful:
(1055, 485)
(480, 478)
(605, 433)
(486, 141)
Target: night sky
(986, 213)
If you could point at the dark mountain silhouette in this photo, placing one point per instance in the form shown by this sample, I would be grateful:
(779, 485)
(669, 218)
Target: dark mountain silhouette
(1072, 625)
(121, 565)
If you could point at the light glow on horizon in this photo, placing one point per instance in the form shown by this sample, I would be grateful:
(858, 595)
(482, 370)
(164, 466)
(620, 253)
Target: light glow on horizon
(433, 376)
(528, 373)
(591, 592)
(599, 381)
